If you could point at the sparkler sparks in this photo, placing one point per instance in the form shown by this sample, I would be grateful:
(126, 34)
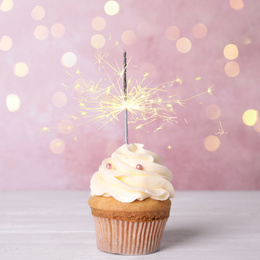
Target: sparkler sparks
(45, 129)
(105, 100)
(221, 130)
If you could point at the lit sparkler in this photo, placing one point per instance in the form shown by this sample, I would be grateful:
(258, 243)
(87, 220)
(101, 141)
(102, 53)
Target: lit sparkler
(105, 100)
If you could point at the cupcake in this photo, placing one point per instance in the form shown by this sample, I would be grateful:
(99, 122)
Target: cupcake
(130, 201)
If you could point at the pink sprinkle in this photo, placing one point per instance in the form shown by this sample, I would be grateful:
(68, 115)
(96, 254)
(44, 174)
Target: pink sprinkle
(139, 167)
(109, 166)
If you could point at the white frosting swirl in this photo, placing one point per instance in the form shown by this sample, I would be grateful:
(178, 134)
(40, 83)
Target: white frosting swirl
(126, 183)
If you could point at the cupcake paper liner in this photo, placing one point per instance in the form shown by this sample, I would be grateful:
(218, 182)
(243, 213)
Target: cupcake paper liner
(127, 237)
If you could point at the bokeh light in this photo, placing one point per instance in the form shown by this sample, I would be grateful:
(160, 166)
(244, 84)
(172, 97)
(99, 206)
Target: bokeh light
(38, 13)
(13, 102)
(128, 37)
(41, 32)
(111, 8)
(69, 59)
(65, 126)
(236, 4)
(6, 5)
(6, 43)
(58, 30)
(59, 99)
(247, 40)
(230, 51)
(199, 30)
(257, 125)
(183, 45)
(21, 69)
(250, 117)
(232, 69)
(172, 33)
(57, 146)
(212, 111)
(211, 143)
(98, 41)
(98, 23)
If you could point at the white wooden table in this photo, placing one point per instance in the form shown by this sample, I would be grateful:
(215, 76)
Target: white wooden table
(58, 225)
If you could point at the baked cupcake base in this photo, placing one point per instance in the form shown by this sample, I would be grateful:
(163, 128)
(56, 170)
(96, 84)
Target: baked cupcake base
(134, 228)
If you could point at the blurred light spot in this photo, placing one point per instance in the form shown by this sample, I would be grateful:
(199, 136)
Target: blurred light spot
(211, 143)
(230, 51)
(232, 69)
(169, 147)
(212, 111)
(172, 33)
(199, 30)
(145, 29)
(6, 43)
(247, 41)
(250, 117)
(69, 59)
(98, 41)
(21, 69)
(111, 8)
(98, 23)
(65, 126)
(257, 125)
(38, 12)
(59, 99)
(236, 4)
(6, 5)
(13, 102)
(183, 45)
(128, 37)
(149, 68)
(41, 32)
(58, 30)
(57, 146)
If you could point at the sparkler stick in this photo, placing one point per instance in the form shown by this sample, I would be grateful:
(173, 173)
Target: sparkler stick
(125, 99)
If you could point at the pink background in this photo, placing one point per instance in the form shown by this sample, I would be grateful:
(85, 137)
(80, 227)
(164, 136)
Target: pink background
(26, 160)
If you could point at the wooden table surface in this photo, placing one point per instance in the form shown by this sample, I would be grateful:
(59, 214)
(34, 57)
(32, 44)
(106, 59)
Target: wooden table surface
(58, 225)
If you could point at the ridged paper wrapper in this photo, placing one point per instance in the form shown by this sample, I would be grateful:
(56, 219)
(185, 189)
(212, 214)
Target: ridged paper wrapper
(129, 237)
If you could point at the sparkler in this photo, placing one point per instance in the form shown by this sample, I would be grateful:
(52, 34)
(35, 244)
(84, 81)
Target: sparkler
(105, 100)
(125, 97)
